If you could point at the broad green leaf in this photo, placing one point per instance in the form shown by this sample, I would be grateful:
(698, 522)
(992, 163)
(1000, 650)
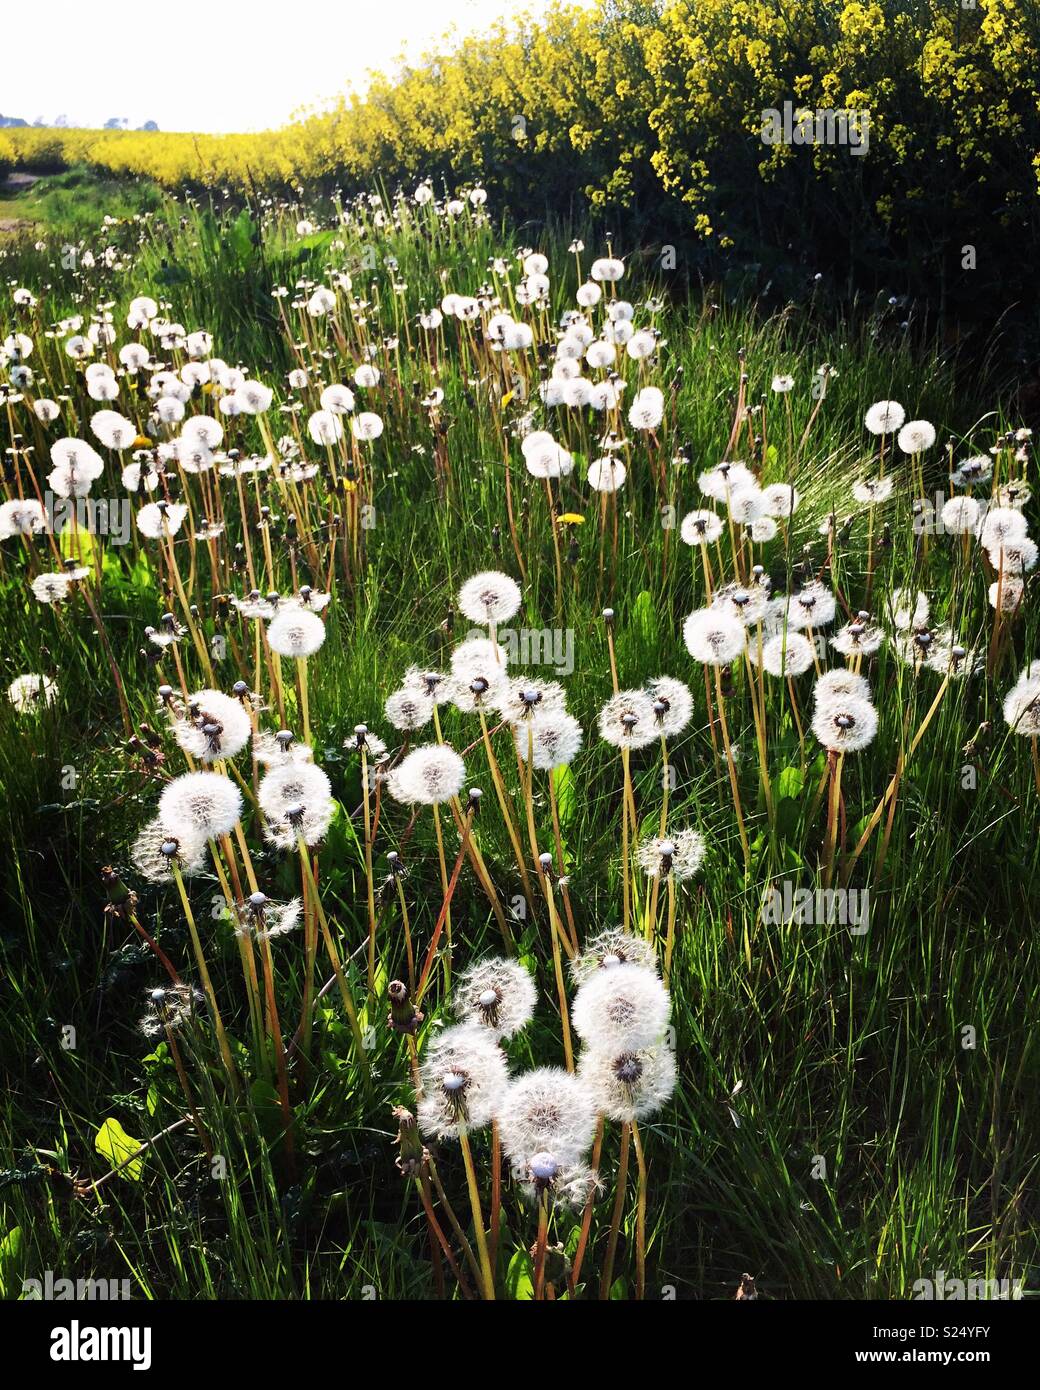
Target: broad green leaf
(644, 616)
(520, 1277)
(113, 1142)
(566, 795)
(10, 1259)
(790, 782)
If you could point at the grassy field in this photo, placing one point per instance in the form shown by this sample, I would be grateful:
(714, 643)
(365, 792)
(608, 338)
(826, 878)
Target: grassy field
(856, 1103)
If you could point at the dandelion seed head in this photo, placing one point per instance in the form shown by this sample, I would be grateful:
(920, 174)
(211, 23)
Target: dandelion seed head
(859, 635)
(546, 1111)
(409, 709)
(629, 720)
(1022, 706)
(489, 597)
(625, 1008)
(680, 854)
(701, 528)
(612, 947)
(29, 692)
(673, 704)
(812, 606)
(428, 776)
(721, 482)
(629, 1086)
(714, 637)
(916, 436)
(960, 515)
(553, 739)
(496, 994)
(789, 654)
(200, 804)
(522, 698)
(215, 726)
(745, 602)
(464, 1078)
(1006, 593)
(1002, 526)
(885, 417)
(844, 724)
(295, 632)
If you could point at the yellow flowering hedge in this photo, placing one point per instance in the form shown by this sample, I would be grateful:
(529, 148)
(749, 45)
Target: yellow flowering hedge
(620, 105)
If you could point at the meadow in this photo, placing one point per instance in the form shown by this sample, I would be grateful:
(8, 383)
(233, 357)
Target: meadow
(520, 775)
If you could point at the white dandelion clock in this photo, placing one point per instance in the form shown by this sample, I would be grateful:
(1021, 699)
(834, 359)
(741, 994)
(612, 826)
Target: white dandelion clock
(156, 853)
(714, 637)
(546, 1111)
(164, 519)
(215, 726)
(908, 609)
(295, 632)
(615, 946)
(497, 994)
(408, 709)
(840, 685)
(647, 409)
(623, 1009)
(366, 426)
(629, 1086)
(721, 482)
(337, 399)
(428, 776)
(629, 720)
(200, 804)
(1001, 526)
(813, 606)
(1022, 707)
(678, 854)
(28, 693)
(673, 704)
(552, 739)
(463, 1079)
(884, 417)
(859, 637)
(916, 436)
(324, 428)
(21, 517)
(788, 654)
(296, 799)
(844, 724)
(701, 528)
(960, 515)
(489, 597)
(606, 475)
(873, 491)
(781, 500)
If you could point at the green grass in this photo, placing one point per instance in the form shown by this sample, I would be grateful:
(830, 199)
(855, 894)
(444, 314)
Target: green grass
(72, 203)
(796, 1044)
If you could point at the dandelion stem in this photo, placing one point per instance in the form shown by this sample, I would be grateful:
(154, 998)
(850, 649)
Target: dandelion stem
(640, 1213)
(607, 1277)
(557, 937)
(539, 1246)
(204, 976)
(731, 765)
(586, 1219)
(478, 1216)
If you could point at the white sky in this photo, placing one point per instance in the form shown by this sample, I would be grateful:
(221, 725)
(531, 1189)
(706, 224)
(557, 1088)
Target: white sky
(214, 65)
